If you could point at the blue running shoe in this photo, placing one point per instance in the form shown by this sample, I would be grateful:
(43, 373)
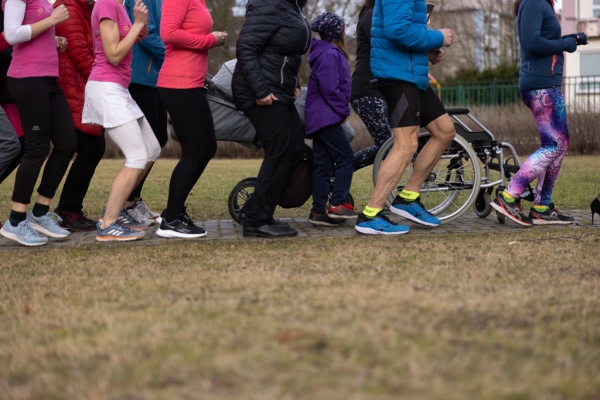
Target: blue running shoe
(23, 234)
(117, 232)
(128, 220)
(48, 224)
(379, 225)
(413, 211)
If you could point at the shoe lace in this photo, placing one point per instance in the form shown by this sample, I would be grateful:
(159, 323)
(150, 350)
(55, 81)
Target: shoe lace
(385, 219)
(52, 215)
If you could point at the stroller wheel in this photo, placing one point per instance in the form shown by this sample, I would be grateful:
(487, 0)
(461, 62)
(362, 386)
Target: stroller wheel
(239, 196)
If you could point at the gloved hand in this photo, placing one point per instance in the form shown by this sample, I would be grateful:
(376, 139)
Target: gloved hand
(579, 37)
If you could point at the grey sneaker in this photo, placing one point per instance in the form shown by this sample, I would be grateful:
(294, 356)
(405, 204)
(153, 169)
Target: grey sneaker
(145, 210)
(48, 224)
(117, 232)
(127, 220)
(137, 213)
(22, 234)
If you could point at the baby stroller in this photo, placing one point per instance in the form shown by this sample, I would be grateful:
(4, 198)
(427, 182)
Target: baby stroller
(232, 125)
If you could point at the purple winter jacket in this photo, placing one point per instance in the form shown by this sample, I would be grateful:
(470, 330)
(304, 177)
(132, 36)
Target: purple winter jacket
(328, 92)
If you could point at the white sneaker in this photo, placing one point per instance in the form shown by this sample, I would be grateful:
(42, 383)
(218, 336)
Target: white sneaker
(145, 210)
(137, 215)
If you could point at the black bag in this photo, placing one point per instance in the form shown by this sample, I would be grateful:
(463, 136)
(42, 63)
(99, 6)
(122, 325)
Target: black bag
(299, 188)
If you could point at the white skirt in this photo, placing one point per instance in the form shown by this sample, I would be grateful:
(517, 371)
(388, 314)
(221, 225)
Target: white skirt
(109, 104)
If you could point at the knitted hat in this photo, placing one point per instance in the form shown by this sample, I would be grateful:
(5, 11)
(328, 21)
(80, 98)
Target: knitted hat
(329, 26)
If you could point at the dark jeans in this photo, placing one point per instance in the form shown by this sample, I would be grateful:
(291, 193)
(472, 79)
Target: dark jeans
(280, 130)
(193, 123)
(90, 150)
(331, 152)
(46, 119)
(156, 113)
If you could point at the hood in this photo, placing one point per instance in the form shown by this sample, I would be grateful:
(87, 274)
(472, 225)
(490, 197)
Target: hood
(297, 3)
(317, 48)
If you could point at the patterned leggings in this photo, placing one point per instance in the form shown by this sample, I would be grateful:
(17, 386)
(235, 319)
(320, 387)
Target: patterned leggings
(374, 114)
(548, 109)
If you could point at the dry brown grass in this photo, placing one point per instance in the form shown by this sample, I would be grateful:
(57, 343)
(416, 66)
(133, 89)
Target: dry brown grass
(470, 316)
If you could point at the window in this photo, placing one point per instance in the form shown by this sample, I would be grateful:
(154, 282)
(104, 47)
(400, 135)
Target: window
(589, 72)
(596, 9)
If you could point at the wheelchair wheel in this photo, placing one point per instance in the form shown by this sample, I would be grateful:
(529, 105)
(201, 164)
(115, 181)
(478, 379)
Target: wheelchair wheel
(453, 184)
(239, 196)
(482, 205)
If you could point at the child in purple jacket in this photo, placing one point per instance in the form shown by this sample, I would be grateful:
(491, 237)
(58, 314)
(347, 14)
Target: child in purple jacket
(327, 107)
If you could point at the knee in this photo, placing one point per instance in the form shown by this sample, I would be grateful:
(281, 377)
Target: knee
(154, 150)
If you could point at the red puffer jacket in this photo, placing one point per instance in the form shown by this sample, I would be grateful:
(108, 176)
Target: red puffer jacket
(75, 64)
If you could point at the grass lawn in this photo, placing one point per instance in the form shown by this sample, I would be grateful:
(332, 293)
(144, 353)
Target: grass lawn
(470, 316)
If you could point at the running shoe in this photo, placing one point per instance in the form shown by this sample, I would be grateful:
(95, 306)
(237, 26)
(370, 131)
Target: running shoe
(117, 232)
(343, 211)
(48, 224)
(512, 210)
(549, 217)
(75, 221)
(128, 221)
(138, 214)
(379, 225)
(145, 210)
(181, 227)
(413, 211)
(323, 219)
(23, 234)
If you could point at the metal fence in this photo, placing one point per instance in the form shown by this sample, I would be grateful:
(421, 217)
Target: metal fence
(582, 93)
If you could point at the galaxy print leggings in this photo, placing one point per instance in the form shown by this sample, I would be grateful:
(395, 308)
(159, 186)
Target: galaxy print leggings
(374, 114)
(548, 109)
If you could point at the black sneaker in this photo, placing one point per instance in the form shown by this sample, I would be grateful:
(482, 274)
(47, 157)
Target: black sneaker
(513, 210)
(76, 221)
(549, 217)
(323, 219)
(182, 227)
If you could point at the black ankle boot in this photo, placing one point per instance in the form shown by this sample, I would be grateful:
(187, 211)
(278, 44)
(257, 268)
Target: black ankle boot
(595, 207)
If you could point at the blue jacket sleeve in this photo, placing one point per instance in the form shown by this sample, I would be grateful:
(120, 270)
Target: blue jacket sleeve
(400, 27)
(530, 33)
(153, 44)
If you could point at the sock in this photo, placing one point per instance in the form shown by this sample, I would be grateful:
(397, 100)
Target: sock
(408, 196)
(39, 210)
(540, 208)
(371, 212)
(16, 217)
(507, 197)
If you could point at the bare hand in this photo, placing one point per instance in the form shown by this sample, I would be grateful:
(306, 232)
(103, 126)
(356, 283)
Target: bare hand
(60, 14)
(140, 12)
(448, 36)
(143, 34)
(267, 100)
(436, 55)
(61, 43)
(221, 37)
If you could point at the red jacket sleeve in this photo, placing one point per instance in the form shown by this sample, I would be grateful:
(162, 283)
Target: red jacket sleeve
(3, 43)
(77, 30)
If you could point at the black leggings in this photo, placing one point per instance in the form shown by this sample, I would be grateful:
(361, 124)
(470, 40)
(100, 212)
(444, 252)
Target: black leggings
(193, 124)
(46, 119)
(90, 150)
(156, 113)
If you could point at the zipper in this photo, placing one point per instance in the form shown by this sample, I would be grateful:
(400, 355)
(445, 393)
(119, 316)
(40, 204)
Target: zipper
(285, 59)
(150, 65)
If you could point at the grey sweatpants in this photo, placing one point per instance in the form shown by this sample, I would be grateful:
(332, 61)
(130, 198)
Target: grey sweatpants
(9, 143)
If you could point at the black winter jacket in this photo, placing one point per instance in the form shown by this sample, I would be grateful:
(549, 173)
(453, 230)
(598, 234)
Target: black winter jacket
(269, 51)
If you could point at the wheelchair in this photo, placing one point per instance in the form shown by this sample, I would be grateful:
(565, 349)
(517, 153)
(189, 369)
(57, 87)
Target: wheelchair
(466, 174)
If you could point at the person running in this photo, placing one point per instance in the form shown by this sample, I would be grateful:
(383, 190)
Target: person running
(327, 107)
(29, 26)
(186, 31)
(540, 80)
(75, 66)
(109, 104)
(269, 51)
(148, 57)
(367, 102)
(399, 61)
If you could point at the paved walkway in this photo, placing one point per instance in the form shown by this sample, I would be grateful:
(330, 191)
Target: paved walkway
(228, 230)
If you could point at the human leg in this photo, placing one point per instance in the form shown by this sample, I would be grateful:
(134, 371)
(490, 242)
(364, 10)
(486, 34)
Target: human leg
(9, 143)
(373, 112)
(192, 119)
(155, 112)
